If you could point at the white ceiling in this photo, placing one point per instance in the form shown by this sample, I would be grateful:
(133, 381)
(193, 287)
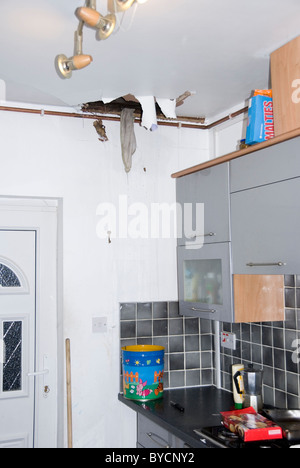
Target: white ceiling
(218, 49)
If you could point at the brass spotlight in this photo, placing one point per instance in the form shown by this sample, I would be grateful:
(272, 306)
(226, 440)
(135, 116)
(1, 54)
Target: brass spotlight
(65, 66)
(123, 5)
(104, 24)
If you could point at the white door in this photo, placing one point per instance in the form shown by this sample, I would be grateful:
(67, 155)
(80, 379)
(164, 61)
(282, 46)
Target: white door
(17, 335)
(32, 411)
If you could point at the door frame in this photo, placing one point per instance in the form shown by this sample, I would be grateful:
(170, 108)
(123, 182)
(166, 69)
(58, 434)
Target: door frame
(44, 215)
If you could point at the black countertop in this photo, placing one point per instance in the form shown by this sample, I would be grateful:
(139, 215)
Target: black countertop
(202, 408)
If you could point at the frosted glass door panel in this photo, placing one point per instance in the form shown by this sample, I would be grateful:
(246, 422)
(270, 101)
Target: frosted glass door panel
(203, 281)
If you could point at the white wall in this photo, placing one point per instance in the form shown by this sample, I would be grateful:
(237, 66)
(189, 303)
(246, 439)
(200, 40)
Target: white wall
(62, 157)
(225, 138)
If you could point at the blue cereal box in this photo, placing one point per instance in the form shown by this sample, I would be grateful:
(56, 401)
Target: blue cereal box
(260, 120)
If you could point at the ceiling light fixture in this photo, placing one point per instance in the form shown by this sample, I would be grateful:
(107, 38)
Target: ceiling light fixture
(123, 5)
(65, 66)
(105, 24)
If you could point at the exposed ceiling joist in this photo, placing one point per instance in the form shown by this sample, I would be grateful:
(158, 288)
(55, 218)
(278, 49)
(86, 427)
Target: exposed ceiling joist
(130, 102)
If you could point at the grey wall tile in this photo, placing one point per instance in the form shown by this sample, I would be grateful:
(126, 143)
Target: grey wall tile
(273, 347)
(159, 323)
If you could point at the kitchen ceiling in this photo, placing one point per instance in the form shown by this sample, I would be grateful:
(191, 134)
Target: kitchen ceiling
(217, 49)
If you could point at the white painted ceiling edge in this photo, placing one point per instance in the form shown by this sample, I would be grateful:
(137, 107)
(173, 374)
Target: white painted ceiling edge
(218, 49)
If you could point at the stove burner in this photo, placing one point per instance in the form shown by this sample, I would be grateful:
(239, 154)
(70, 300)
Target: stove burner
(225, 434)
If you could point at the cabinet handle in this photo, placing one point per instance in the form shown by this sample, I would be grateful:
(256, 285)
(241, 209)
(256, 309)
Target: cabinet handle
(212, 311)
(209, 234)
(280, 264)
(163, 445)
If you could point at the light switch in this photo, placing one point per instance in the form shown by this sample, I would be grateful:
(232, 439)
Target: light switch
(99, 324)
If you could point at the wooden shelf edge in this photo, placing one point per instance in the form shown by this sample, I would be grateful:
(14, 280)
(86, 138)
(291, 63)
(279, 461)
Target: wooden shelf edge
(237, 154)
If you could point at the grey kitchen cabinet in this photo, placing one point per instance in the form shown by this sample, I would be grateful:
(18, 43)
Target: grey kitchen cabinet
(266, 166)
(233, 269)
(205, 192)
(205, 281)
(266, 229)
(151, 435)
(154, 436)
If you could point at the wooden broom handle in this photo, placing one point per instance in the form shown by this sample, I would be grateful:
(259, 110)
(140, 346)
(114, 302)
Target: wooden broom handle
(69, 393)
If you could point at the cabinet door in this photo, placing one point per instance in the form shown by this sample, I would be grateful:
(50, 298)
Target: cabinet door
(266, 166)
(285, 71)
(205, 282)
(205, 192)
(266, 229)
(151, 435)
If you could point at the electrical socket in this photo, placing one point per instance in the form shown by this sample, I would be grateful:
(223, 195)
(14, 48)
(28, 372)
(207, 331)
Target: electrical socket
(228, 340)
(99, 324)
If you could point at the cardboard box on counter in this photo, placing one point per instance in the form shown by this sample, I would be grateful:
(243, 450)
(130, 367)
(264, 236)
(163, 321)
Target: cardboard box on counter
(250, 425)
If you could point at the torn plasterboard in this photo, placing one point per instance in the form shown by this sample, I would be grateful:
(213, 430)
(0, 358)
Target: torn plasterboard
(149, 110)
(149, 118)
(100, 129)
(168, 107)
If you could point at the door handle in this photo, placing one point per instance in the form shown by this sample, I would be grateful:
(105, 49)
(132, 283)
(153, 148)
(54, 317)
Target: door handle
(280, 264)
(209, 234)
(43, 373)
(153, 436)
(212, 311)
(36, 374)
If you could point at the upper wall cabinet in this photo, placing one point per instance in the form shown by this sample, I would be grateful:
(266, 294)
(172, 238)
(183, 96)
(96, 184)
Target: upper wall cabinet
(266, 166)
(266, 229)
(265, 204)
(285, 72)
(203, 206)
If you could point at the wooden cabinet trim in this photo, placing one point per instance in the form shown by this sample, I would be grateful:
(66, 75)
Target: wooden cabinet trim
(238, 154)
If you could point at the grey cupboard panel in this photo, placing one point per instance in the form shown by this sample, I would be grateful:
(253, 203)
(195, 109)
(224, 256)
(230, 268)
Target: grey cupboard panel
(151, 435)
(205, 282)
(273, 164)
(266, 229)
(211, 188)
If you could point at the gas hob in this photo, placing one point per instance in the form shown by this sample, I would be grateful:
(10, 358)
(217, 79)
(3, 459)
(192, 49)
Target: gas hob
(220, 437)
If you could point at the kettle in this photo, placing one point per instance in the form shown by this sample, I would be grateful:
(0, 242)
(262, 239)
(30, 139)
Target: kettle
(252, 382)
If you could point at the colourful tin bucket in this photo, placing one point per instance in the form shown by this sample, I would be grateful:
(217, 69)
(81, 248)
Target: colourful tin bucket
(143, 370)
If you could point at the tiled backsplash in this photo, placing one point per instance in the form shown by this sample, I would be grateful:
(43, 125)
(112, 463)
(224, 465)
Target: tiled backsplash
(188, 342)
(273, 347)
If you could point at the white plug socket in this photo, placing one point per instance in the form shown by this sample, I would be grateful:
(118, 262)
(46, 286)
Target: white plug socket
(228, 340)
